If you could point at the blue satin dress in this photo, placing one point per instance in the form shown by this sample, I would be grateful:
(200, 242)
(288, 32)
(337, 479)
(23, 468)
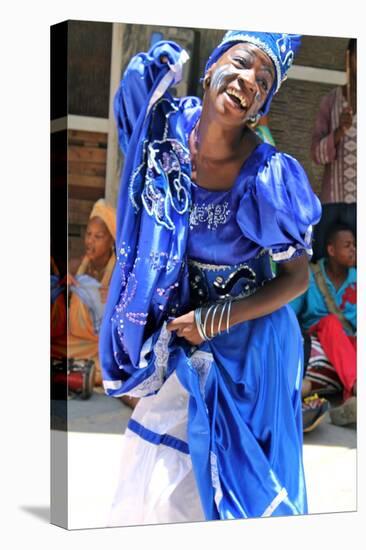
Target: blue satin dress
(217, 433)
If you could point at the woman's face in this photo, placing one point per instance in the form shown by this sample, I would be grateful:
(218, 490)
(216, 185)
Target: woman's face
(241, 80)
(98, 240)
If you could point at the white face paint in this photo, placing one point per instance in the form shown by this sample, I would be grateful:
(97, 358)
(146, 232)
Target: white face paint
(221, 77)
(244, 80)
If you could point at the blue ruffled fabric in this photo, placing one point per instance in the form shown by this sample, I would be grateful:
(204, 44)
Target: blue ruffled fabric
(279, 209)
(244, 424)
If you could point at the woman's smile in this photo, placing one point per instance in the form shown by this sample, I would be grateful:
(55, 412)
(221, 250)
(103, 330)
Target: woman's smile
(237, 98)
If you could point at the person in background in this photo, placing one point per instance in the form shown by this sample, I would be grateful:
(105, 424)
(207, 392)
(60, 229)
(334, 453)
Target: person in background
(334, 145)
(328, 310)
(88, 281)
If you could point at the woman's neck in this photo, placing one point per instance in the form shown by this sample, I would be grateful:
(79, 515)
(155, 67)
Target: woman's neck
(100, 264)
(215, 142)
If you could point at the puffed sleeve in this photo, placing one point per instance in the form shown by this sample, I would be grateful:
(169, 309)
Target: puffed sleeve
(278, 208)
(144, 81)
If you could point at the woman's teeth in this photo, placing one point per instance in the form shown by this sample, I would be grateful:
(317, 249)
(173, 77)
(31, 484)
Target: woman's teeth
(239, 98)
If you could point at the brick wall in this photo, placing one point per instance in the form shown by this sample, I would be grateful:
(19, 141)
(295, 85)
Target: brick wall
(87, 154)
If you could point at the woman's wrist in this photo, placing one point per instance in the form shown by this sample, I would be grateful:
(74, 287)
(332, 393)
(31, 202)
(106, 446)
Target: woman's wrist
(214, 319)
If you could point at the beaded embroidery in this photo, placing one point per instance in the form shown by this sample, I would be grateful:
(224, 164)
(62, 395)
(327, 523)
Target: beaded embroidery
(162, 179)
(219, 282)
(212, 215)
(137, 318)
(129, 292)
(162, 260)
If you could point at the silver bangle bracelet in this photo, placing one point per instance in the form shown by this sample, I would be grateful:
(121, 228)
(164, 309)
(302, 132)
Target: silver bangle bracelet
(223, 307)
(197, 318)
(228, 317)
(213, 320)
(205, 322)
(202, 325)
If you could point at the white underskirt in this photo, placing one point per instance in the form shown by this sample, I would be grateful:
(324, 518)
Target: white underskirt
(156, 482)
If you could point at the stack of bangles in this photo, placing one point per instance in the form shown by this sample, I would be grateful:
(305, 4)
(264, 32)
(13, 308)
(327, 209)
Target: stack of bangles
(202, 324)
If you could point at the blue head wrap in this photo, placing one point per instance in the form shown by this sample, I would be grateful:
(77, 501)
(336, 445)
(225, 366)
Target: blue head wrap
(280, 48)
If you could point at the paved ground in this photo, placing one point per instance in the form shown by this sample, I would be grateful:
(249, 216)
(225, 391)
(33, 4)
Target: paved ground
(94, 441)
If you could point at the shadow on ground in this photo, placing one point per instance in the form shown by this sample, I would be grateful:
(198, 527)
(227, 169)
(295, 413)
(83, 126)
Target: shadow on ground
(41, 512)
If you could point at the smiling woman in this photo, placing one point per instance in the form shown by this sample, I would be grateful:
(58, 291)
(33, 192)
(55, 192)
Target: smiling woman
(236, 88)
(89, 286)
(88, 282)
(251, 69)
(196, 324)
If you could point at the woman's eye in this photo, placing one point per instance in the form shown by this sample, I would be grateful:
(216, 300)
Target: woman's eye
(264, 85)
(243, 62)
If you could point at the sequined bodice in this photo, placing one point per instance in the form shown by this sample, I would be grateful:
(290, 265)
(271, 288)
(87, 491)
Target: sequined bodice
(222, 261)
(215, 236)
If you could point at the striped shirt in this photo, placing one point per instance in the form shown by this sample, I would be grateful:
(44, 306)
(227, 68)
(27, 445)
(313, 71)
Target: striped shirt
(340, 162)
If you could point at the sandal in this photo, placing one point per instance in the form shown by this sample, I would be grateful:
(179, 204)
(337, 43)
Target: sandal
(314, 409)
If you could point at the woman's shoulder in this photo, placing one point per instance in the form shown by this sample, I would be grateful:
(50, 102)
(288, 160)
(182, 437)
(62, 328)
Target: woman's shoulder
(268, 166)
(279, 164)
(278, 180)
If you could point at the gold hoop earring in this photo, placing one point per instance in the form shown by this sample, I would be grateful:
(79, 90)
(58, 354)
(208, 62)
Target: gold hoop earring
(206, 82)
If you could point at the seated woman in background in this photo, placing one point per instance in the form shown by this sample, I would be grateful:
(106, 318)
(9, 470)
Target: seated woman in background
(88, 281)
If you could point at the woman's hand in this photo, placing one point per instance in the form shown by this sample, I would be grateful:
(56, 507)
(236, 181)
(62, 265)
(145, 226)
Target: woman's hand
(103, 294)
(345, 119)
(345, 122)
(185, 327)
